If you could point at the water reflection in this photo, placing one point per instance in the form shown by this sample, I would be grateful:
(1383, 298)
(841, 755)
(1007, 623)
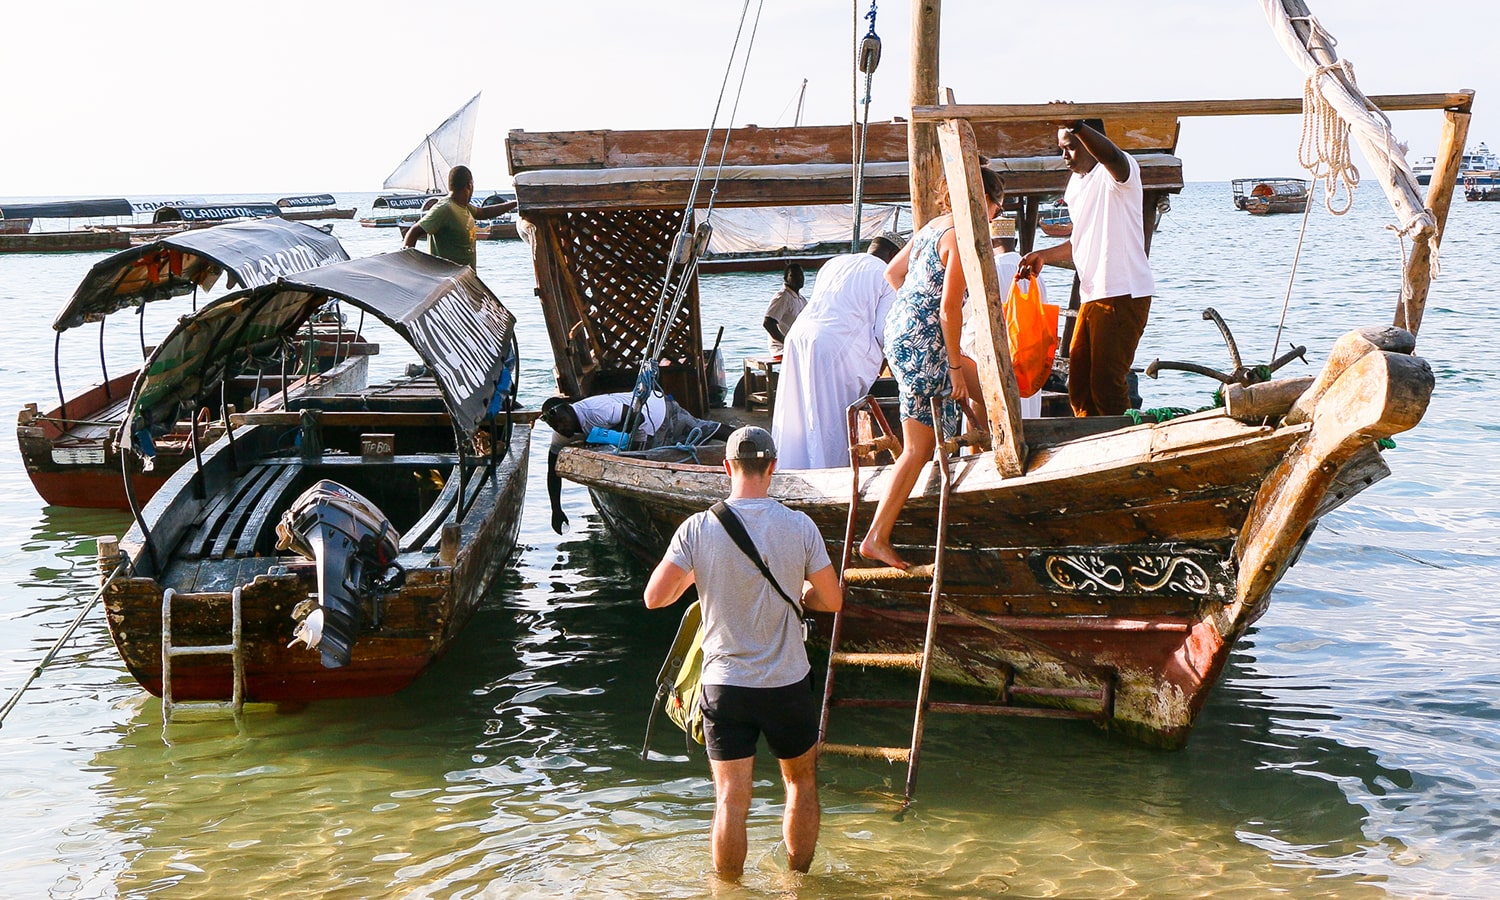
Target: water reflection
(511, 770)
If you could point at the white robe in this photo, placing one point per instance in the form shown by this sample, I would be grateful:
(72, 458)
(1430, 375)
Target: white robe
(832, 356)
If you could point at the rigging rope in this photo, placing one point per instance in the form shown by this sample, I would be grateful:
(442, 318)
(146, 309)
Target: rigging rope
(690, 242)
(867, 59)
(1324, 147)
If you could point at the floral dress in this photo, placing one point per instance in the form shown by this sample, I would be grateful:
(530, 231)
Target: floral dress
(914, 332)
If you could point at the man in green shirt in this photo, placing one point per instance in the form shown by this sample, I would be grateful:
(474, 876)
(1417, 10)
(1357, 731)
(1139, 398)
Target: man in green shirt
(449, 225)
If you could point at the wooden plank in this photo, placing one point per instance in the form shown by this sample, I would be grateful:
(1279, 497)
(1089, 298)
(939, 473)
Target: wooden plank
(266, 505)
(971, 224)
(1418, 278)
(750, 146)
(222, 526)
(1459, 101)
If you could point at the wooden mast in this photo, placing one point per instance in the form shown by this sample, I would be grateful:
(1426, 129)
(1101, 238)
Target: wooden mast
(1439, 196)
(921, 141)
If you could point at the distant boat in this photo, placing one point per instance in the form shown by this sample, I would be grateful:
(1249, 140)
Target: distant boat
(313, 206)
(17, 221)
(1054, 219)
(206, 214)
(70, 451)
(1482, 186)
(1475, 161)
(1262, 196)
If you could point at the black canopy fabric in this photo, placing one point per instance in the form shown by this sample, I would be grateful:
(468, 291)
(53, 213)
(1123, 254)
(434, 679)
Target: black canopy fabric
(402, 201)
(215, 212)
(253, 253)
(453, 321)
(66, 209)
(305, 200)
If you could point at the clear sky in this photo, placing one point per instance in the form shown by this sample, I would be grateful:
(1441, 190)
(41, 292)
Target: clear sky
(205, 96)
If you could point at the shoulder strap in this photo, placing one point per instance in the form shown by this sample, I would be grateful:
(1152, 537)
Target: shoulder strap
(741, 538)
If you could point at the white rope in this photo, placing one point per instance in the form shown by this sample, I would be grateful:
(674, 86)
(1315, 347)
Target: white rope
(1324, 147)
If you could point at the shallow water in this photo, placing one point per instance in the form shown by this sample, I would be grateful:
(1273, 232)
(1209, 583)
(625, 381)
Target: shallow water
(1352, 749)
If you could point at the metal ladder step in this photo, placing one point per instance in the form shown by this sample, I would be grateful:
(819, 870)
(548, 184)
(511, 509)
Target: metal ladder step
(233, 649)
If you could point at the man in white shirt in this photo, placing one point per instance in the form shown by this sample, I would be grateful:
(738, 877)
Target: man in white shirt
(832, 356)
(663, 421)
(1108, 250)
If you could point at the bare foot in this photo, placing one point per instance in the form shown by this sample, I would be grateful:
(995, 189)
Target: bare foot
(882, 552)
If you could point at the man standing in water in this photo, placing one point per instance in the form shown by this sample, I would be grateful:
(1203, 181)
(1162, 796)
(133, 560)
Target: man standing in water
(449, 226)
(756, 676)
(1108, 249)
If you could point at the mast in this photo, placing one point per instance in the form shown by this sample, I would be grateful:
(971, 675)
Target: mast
(801, 95)
(921, 141)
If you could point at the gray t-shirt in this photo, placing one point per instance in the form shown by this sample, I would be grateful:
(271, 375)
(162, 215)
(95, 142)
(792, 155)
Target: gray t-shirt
(751, 635)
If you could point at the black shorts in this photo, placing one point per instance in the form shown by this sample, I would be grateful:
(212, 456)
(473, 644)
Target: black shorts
(734, 718)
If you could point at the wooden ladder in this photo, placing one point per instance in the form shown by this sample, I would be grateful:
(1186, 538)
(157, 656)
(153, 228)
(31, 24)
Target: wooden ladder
(234, 649)
(921, 662)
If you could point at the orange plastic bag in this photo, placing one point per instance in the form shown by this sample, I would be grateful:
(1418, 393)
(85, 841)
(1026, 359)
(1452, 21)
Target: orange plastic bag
(1031, 326)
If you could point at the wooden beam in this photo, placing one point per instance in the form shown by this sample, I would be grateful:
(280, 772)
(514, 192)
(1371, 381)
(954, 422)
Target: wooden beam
(922, 140)
(1458, 101)
(997, 379)
(1439, 197)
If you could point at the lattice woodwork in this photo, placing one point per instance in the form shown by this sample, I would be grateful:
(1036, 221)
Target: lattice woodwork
(610, 265)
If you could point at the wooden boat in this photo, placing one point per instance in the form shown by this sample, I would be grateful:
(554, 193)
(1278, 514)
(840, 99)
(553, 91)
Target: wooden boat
(1480, 159)
(310, 207)
(1092, 568)
(1054, 220)
(1482, 186)
(17, 221)
(69, 450)
(204, 215)
(1263, 196)
(381, 569)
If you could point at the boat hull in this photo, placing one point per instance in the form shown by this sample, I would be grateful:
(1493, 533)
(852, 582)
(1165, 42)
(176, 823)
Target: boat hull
(72, 459)
(419, 621)
(1111, 565)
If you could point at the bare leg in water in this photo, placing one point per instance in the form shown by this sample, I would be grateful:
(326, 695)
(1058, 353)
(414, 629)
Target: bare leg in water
(918, 442)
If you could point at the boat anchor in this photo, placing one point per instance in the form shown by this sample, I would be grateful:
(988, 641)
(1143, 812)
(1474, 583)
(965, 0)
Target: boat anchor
(1242, 375)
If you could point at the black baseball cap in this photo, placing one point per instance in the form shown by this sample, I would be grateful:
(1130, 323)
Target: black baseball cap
(750, 442)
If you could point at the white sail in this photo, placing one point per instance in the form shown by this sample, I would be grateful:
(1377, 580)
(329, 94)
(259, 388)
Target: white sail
(426, 168)
(774, 229)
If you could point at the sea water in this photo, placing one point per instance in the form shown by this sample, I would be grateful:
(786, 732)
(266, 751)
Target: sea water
(1351, 750)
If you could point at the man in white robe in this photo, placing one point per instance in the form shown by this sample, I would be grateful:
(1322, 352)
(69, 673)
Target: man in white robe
(832, 355)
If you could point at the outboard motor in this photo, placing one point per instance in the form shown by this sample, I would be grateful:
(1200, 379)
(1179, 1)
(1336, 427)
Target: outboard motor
(354, 546)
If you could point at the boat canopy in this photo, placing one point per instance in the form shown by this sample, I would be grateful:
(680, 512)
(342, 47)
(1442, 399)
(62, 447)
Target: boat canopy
(497, 197)
(402, 201)
(215, 212)
(66, 209)
(306, 200)
(455, 323)
(773, 229)
(252, 253)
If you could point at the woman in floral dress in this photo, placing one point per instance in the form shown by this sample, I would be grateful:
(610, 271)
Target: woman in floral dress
(922, 347)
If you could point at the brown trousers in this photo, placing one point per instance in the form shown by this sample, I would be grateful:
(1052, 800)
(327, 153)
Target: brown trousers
(1103, 348)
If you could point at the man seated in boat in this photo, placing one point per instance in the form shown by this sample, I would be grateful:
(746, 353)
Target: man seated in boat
(782, 311)
(1007, 261)
(663, 422)
(833, 354)
(449, 226)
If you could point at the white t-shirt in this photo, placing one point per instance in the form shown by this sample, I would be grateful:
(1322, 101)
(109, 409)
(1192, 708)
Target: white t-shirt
(603, 411)
(1109, 241)
(784, 309)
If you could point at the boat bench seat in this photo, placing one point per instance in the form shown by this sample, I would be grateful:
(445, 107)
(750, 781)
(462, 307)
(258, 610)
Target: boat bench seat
(232, 525)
